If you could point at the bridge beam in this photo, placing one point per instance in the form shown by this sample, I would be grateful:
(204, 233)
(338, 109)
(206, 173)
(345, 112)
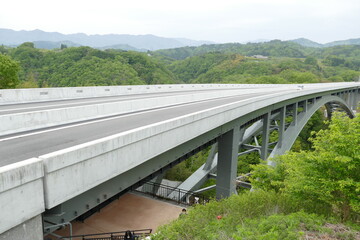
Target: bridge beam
(228, 145)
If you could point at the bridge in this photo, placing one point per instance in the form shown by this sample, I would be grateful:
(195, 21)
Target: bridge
(64, 151)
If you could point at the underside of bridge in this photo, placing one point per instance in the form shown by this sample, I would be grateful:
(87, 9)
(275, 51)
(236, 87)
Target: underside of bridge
(249, 133)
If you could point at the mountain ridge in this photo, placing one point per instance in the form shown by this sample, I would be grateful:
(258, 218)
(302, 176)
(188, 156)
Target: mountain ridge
(309, 43)
(147, 41)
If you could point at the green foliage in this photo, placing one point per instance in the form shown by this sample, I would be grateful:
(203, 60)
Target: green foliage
(220, 63)
(311, 61)
(334, 61)
(202, 223)
(275, 48)
(329, 175)
(251, 215)
(184, 169)
(84, 66)
(8, 72)
(299, 77)
(191, 68)
(279, 226)
(315, 124)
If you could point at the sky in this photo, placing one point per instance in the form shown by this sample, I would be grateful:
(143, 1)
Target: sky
(212, 20)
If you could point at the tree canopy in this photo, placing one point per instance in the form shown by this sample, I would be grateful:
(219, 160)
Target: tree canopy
(329, 175)
(8, 72)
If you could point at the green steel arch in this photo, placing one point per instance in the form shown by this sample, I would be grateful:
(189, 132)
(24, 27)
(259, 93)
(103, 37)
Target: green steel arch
(293, 131)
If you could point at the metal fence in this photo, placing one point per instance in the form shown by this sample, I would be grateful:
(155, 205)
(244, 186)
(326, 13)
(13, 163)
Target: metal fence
(172, 193)
(129, 234)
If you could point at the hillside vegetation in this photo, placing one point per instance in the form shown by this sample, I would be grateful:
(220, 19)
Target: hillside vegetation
(271, 62)
(85, 66)
(308, 195)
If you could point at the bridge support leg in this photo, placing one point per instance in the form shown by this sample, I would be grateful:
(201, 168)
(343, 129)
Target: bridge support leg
(228, 145)
(265, 136)
(354, 102)
(282, 126)
(157, 180)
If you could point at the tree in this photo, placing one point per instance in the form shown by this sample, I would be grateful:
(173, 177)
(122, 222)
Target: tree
(63, 46)
(311, 61)
(329, 175)
(8, 72)
(333, 60)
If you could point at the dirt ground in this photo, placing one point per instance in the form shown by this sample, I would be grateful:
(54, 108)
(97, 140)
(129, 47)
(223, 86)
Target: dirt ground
(130, 212)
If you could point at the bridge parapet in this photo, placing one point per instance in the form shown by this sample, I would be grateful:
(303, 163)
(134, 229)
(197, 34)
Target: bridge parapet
(8, 96)
(21, 193)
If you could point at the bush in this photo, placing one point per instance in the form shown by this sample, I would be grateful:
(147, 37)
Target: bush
(327, 176)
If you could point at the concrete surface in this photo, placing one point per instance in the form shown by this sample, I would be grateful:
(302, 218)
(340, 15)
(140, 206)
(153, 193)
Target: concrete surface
(28, 230)
(21, 193)
(47, 94)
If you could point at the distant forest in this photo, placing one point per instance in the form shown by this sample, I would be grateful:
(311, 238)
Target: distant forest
(271, 62)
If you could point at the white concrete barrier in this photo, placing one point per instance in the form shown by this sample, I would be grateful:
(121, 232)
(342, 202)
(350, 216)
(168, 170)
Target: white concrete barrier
(12, 96)
(21, 192)
(19, 122)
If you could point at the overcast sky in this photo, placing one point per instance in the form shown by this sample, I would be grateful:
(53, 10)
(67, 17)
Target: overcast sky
(218, 21)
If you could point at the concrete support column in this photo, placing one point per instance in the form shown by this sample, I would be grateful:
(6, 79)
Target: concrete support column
(227, 163)
(265, 136)
(282, 126)
(305, 106)
(295, 114)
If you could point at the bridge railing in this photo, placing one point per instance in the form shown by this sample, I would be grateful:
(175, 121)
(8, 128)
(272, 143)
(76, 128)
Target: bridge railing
(172, 193)
(129, 234)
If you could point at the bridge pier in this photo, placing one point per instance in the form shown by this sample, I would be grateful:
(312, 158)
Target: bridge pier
(228, 145)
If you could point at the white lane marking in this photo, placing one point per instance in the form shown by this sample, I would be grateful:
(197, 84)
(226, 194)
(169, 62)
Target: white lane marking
(127, 115)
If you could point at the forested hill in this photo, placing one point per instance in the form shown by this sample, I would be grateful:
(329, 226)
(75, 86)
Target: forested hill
(274, 48)
(85, 66)
(271, 62)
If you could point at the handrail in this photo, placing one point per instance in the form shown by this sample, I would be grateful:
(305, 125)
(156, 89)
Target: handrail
(172, 193)
(113, 235)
